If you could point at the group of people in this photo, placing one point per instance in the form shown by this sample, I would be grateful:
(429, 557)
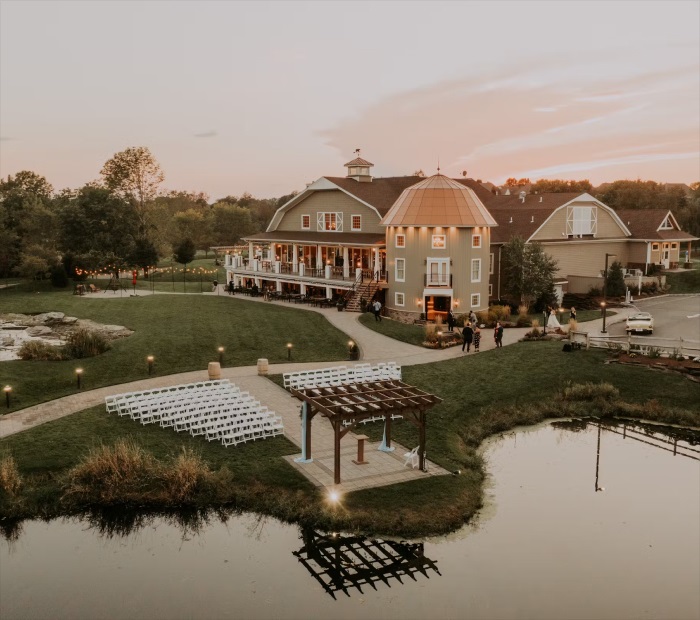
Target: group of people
(471, 334)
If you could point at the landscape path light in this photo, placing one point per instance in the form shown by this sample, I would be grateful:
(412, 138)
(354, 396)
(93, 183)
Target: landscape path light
(289, 351)
(221, 355)
(7, 389)
(78, 376)
(150, 360)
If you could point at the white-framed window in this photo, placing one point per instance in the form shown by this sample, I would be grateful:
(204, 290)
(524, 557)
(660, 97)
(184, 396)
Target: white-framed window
(581, 221)
(306, 222)
(654, 247)
(356, 222)
(476, 241)
(439, 242)
(667, 224)
(490, 290)
(400, 270)
(491, 263)
(438, 272)
(475, 300)
(400, 241)
(476, 270)
(399, 299)
(674, 246)
(329, 221)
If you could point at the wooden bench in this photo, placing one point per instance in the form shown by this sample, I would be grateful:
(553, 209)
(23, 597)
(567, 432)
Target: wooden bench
(93, 289)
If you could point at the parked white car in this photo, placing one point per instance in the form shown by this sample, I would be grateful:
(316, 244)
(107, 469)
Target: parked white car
(642, 323)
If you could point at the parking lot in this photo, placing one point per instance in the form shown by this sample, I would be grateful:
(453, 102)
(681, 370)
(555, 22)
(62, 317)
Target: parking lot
(674, 317)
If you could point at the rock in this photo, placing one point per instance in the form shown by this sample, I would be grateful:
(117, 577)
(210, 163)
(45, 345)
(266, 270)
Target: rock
(49, 317)
(69, 320)
(38, 330)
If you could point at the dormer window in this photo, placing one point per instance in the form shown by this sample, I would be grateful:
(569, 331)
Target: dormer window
(667, 223)
(581, 221)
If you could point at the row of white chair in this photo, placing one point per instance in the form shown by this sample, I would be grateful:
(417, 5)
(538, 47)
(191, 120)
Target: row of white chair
(216, 409)
(340, 375)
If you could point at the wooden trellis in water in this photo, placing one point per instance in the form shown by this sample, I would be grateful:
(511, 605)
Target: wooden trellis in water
(340, 563)
(347, 405)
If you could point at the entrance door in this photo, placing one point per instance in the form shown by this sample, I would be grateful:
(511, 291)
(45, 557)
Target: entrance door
(666, 256)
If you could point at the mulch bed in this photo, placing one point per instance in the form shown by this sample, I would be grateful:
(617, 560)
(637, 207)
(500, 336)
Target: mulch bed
(687, 367)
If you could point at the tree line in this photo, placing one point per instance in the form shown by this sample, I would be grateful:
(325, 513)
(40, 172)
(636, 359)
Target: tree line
(123, 220)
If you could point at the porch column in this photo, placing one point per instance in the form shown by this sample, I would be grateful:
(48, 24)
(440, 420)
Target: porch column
(329, 292)
(319, 258)
(251, 254)
(295, 259)
(278, 284)
(346, 264)
(302, 288)
(376, 267)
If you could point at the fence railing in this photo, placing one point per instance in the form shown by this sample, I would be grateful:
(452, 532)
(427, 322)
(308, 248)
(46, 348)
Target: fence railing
(638, 344)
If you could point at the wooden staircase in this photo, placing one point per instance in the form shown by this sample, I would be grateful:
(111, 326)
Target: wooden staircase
(364, 290)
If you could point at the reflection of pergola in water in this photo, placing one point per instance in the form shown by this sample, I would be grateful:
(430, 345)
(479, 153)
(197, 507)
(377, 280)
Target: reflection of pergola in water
(343, 562)
(355, 402)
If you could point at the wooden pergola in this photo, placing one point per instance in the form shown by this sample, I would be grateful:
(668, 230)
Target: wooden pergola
(347, 405)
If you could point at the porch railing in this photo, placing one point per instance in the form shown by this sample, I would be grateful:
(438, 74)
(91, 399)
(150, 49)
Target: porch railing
(430, 279)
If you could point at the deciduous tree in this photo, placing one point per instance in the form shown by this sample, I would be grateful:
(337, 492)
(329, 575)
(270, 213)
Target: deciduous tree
(528, 272)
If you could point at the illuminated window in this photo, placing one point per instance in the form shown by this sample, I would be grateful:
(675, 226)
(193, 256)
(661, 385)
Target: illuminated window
(476, 300)
(400, 299)
(400, 241)
(400, 274)
(476, 270)
(332, 222)
(476, 241)
(439, 242)
(305, 222)
(357, 222)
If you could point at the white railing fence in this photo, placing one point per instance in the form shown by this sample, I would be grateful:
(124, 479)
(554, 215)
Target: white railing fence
(644, 345)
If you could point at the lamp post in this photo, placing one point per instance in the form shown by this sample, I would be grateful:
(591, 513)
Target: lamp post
(289, 351)
(603, 308)
(439, 335)
(78, 376)
(7, 389)
(221, 355)
(150, 359)
(605, 290)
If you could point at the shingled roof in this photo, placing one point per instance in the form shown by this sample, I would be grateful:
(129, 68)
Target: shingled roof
(381, 193)
(645, 223)
(438, 201)
(358, 161)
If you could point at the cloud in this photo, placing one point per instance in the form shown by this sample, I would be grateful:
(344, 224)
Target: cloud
(207, 134)
(496, 127)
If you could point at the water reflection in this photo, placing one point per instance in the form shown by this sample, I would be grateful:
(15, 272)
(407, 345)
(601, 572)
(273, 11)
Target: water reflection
(341, 563)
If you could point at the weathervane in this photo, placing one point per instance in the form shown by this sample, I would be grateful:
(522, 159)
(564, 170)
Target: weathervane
(357, 152)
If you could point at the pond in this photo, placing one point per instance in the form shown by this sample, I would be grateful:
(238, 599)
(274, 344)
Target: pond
(550, 543)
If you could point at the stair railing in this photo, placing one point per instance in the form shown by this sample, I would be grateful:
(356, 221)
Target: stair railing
(349, 293)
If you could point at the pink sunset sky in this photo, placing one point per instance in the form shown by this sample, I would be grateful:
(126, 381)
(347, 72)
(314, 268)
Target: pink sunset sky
(266, 97)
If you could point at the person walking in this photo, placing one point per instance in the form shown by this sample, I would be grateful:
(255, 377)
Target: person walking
(472, 317)
(377, 308)
(498, 335)
(467, 336)
(477, 338)
(572, 314)
(231, 286)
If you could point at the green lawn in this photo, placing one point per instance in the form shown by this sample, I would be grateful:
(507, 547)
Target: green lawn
(182, 332)
(686, 282)
(413, 334)
(485, 393)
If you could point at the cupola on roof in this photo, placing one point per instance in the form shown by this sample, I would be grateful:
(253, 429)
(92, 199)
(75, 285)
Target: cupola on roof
(358, 161)
(438, 201)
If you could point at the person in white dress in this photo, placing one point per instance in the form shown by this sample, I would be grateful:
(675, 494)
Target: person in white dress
(552, 321)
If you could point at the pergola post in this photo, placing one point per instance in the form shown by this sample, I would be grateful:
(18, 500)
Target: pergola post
(421, 440)
(336, 455)
(306, 417)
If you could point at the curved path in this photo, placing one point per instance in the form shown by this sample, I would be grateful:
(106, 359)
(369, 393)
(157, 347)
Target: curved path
(374, 347)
